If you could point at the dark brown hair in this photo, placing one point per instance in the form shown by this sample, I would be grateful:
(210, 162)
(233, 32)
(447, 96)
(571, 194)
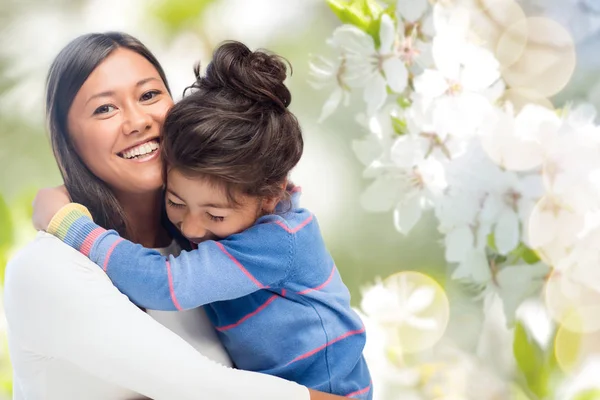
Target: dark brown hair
(235, 128)
(68, 72)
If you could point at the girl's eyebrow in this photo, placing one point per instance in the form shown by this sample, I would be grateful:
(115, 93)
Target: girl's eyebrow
(174, 194)
(209, 204)
(215, 205)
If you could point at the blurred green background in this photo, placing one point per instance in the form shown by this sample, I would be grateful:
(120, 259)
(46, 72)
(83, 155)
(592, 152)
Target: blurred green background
(181, 32)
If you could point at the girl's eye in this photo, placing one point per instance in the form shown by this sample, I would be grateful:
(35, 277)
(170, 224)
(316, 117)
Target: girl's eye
(175, 205)
(215, 217)
(104, 109)
(150, 95)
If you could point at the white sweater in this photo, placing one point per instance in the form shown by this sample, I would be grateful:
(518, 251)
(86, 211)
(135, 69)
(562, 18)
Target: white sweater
(73, 335)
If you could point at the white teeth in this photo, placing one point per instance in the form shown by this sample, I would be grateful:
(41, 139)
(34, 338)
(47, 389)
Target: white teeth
(141, 150)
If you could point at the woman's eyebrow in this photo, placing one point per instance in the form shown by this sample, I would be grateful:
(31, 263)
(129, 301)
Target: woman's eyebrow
(109, 93)
(144, 81)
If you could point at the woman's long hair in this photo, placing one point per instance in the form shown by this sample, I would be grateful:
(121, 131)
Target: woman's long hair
(68, 72)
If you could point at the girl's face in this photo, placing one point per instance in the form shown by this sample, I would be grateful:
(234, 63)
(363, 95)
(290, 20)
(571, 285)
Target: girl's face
(202, 211)
(115, 122)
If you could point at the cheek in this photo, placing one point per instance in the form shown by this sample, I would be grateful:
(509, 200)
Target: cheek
(175, 216)
(95, 145)
(160, 109)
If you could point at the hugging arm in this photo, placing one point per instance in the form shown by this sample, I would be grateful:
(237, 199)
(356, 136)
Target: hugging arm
(228, 269)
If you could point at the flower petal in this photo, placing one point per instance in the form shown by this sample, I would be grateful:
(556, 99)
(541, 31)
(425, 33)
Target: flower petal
(387, 34)
(353, 40)
(396, 74)
(411, 10)
(332, 103)
(425, 324)
(475, 268)
(407, 214)
(430, 84)
(481, 69)
(507, 234)
(458, 243)
(375, 93)
(381, 195)
(420, 299)
(446, 55)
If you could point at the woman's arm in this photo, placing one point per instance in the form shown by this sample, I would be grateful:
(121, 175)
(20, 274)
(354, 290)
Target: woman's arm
(62, 305)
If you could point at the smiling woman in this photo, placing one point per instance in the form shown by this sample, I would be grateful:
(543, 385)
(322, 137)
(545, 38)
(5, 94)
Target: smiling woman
(116, 112)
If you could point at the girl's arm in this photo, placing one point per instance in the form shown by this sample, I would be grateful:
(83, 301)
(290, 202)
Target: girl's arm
(59, 304)
(228, 269)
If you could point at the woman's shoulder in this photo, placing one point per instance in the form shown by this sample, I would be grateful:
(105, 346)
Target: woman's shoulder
(45, 249)
(43, 262)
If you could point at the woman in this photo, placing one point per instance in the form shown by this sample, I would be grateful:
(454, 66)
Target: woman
(72, 334)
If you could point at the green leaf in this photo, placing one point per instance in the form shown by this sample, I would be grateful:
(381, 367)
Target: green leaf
(178, 15)
(491, 242)
(589, 394)
(536, 366)
(525, 253)
(399, 126)
(348, 14)
(364, 14)
(516, 393)
(403, 102)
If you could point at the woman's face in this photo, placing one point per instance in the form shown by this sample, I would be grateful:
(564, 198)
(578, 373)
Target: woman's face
(115, 122)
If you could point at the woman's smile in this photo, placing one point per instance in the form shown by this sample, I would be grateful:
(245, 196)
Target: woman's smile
(145, 150)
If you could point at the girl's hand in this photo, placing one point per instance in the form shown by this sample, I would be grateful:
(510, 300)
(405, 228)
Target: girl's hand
(46, 204)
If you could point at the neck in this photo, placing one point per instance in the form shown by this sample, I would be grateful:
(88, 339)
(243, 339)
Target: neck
(143, 213)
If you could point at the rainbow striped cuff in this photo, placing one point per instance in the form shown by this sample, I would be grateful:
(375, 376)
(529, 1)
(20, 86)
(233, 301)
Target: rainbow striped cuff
(73, 224)
(65, 217)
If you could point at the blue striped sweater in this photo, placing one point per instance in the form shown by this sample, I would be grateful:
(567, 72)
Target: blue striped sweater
(272, 292)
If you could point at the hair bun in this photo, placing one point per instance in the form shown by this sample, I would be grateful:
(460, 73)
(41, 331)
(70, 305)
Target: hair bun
(256, 75)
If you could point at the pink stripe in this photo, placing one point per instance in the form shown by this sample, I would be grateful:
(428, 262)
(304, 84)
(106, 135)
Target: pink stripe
(359, 392)
(252, 314)
(312, 352)
(87, 244)
(109, 253)
(296, 229)
(240, 266)
(296, 189)
(321, 286)
(171, 288)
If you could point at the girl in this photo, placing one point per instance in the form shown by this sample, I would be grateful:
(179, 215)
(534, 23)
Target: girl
(259, 263)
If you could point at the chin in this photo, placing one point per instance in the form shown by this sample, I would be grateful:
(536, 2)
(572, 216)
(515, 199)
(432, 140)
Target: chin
(145, 184)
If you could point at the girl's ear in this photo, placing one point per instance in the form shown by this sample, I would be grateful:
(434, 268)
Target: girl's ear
(269, 203)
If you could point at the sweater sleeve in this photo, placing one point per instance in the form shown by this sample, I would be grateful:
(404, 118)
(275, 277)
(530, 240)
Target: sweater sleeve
(258, 258)
(60, 305)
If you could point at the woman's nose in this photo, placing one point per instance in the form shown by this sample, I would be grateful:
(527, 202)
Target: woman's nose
(136, 120)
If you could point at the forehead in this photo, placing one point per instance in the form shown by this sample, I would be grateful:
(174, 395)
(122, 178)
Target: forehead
(122, 69)
(202, 187)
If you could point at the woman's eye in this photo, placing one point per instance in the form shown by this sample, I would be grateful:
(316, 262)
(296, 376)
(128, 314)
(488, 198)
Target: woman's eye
(104, 109)
(215, 217)
(149, 95)
(175, 205)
